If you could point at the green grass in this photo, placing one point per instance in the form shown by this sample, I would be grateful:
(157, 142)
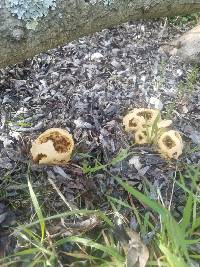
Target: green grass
(185, 89)
(40, 250)
(172, 240)
(20, 121)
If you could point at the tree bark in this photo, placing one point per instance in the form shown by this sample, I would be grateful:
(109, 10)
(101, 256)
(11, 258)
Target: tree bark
(72, 19)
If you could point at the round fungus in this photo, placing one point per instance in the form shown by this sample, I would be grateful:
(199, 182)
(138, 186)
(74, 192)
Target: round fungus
(54, 146)
(140, 118)
(170, 144)
(149, 115)
(133, 122)
(141, 137)
(147, 127)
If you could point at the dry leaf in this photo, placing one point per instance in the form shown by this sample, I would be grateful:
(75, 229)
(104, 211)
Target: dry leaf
(138, 253)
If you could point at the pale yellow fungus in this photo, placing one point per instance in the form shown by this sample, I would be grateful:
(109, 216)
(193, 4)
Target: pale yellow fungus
(54, 146)
(147, 126)
(141, 137)
(170, 144)
(149, 115)
(133, 122)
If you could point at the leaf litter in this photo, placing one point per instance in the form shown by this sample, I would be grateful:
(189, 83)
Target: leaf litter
(86, 87)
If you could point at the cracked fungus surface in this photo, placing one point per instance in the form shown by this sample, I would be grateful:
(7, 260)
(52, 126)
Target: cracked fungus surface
(54, 146)
(141, 137)
(39, 157)
(149, 115)
(61, 143)
(168, 142)
(146, 114)
(133, 123)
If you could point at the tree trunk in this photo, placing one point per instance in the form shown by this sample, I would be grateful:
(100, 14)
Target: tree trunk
(75, 18)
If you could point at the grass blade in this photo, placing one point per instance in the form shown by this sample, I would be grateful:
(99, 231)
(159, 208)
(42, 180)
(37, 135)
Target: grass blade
(37, 210)
(172, 227)
(142, 198)
(88, 242)
(173, 260)
(82, 212)
(187, 213)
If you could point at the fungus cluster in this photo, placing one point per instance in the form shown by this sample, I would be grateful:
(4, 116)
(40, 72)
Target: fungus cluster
(147, 127)
(54, 146)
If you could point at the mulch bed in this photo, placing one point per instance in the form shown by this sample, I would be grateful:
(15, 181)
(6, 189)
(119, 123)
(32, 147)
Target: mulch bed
(87, 87)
